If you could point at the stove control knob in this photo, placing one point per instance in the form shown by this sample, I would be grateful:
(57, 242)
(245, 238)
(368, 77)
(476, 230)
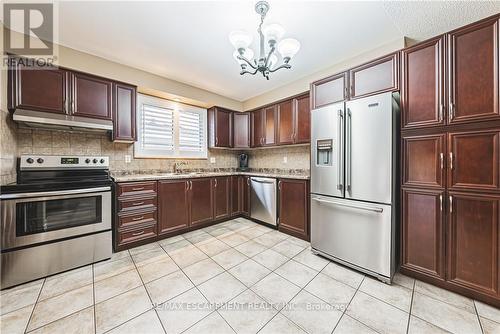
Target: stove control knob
(94, 161)
(87, 160)
(102, 161)
(30, 160)
(39, 160)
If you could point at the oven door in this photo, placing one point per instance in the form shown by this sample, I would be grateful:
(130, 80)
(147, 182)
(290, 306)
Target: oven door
(33, 218)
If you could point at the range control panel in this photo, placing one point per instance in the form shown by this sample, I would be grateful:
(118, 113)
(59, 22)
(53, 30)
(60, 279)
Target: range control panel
(62, 161)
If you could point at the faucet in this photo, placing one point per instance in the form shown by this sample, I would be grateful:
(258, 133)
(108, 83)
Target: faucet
(178, 165)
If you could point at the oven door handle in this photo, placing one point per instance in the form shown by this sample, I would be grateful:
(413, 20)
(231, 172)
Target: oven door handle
(55, 193)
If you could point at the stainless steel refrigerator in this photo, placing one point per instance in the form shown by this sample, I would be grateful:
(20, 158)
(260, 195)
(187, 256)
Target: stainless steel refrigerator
(354, 182)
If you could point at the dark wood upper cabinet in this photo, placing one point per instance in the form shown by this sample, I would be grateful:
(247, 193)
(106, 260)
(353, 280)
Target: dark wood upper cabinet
(424, 161)
(294, 207)
(422, 85)
(201, 201)
(220, 127)
(329, 90)
(423, 232)
(38, 89)
(124, 106)
(380, 75)
(302, 119)
(222, 199)
(473, 72)
(91, 96)
(473, 242)
(270, 124)
(286, 122)
(473, 160)
(241, 130)
(257, 128)
(173, 206)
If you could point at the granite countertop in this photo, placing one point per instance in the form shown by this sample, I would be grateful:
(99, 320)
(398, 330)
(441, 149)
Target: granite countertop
(190, 175)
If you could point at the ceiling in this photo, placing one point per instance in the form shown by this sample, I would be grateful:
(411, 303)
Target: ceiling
(188, 40)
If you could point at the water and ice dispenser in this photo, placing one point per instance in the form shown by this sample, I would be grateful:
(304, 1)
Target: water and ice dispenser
(324, 151)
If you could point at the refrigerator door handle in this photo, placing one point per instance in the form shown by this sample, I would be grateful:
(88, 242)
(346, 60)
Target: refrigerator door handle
(348, 149)
(361, 207)
(340, 176)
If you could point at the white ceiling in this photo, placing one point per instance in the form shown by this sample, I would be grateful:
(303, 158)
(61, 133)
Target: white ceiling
(187, 40)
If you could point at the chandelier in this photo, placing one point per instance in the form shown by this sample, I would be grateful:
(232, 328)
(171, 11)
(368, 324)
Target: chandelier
(267, 62)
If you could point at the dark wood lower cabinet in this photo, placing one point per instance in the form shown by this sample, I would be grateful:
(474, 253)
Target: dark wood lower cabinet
(235, 195)
(173, 205)
(294, 207)
(222, 200)
(201, 201)
(245, 195)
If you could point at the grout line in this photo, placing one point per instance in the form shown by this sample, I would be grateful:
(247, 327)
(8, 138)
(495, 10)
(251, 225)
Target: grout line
(350, 301)
(34, 306)
(478, 317)
(411, 306)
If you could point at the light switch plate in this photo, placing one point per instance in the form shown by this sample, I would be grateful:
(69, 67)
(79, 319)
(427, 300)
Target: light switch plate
(212, 160)
(285, 160)
(128, 158)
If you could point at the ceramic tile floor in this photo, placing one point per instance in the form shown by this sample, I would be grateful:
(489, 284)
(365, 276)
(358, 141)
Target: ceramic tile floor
(234, 277)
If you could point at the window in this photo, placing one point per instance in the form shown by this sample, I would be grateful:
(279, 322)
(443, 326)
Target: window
(169, 129)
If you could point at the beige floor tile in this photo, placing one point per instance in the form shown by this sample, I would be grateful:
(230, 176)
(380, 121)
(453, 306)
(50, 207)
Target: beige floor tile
(221, 288)
(487, 311)
(193, 234)
(309, 259)
(20, 296)
(281, 324)
(300, 242)
(15, 321)
(275, 290)
(268, 239)
(212, 324)
(403, 280)
(120, 309)
(229, 258)
(288, 248)
(378, 315)
(312, 314)
(394, 294)
(61, 306)
(147, 323)
(115, 285)
(445, 296)
(203, 271)
(67, 281)
(234, 239)
(334, 292)
(249, 272)
(81, 322)
(143, 248)
(108, 269)
(187, 256)
(201, 239)
(155, 270)
(296, 273)
(213, 248)
(343, 274)
(170, 240)
(251, 248)
(251, 232)
(446, 316)
(489, 326)
(181, 312)
(177, 246)
(221, 232)
(270, 259)
(119, 255)
(149, 256)
(348, 325)
(168, 287)
(419, 326)
(247, 313)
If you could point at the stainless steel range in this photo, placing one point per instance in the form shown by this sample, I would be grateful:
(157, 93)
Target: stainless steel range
(57, 217)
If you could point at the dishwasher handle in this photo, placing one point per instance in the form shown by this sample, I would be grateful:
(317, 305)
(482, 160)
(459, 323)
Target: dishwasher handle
(263, 181)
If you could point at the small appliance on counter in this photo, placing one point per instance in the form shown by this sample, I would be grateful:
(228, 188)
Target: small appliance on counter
(243, 162)
(57, 217)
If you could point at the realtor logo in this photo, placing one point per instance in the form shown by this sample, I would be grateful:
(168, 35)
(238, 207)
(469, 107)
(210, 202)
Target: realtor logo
(35, 21)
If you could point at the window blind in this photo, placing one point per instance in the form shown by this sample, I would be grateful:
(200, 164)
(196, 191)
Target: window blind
(157, 128)
(191, 132)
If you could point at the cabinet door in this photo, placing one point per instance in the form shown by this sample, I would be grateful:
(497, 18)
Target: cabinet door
(173, 205)
(201, 201)
(422, 86)
(293, 207)
(286, 121)
(330, 90)
(473, 241)
(473, 71)
(257, 128)
(270, 116)
(222, 204)
(124, 112)
(302, 120)
(91, 96)
(222, 127)
(423, 231)
(424, 161)
(473, 160)
(381, 75)
(245, 195)
(39, 89)
(241, 130)
(236, 188)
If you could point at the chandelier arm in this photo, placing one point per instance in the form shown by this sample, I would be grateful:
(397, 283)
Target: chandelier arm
(247, 61)
(245, 72)
(287, 66)
(269, 55)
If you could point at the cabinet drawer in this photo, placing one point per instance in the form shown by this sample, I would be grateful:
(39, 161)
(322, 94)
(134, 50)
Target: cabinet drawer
(137, 219)
(141, 233)
(137, 203)
(136, 188)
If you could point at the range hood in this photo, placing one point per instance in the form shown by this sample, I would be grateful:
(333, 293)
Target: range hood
(46, 120)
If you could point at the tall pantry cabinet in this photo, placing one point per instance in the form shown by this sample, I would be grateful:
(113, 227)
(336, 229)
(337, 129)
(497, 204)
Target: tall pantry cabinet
(450, 166)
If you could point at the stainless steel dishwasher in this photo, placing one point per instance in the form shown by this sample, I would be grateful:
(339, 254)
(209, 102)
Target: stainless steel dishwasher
(263, 199)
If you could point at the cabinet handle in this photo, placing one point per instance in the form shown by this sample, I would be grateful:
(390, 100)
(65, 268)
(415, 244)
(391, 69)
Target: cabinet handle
(441, 203)
(441, 112)
(345, 92)
(441, 158)
(451, 160)
(72, 106)
(138, 233)
(452, 111)
(137, 203)
(216, 141)
(279, 185)
(248, 181)
(137, 189)
(64, 105)
(451, 204)
(190, 185)
(138, 218)
(215, 185)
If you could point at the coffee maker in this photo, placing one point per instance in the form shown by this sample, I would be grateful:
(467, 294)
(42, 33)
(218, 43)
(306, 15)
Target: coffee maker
(243, 162)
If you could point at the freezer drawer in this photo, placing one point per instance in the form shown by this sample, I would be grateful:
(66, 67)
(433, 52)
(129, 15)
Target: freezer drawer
(263, 199)
(356, 233)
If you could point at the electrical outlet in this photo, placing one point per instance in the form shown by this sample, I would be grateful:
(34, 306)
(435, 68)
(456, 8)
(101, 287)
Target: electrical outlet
(212, 160)
(285, 160)
(128, 158)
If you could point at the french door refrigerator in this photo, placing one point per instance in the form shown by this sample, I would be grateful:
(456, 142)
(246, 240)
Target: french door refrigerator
(354, 183)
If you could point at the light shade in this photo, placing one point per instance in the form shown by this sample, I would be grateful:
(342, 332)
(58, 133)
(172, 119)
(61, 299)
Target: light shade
(273, 32)
(248, 54)
(288, 47)
(240, 39)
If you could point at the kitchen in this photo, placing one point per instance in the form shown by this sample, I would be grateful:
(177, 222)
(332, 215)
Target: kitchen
(272, 198)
